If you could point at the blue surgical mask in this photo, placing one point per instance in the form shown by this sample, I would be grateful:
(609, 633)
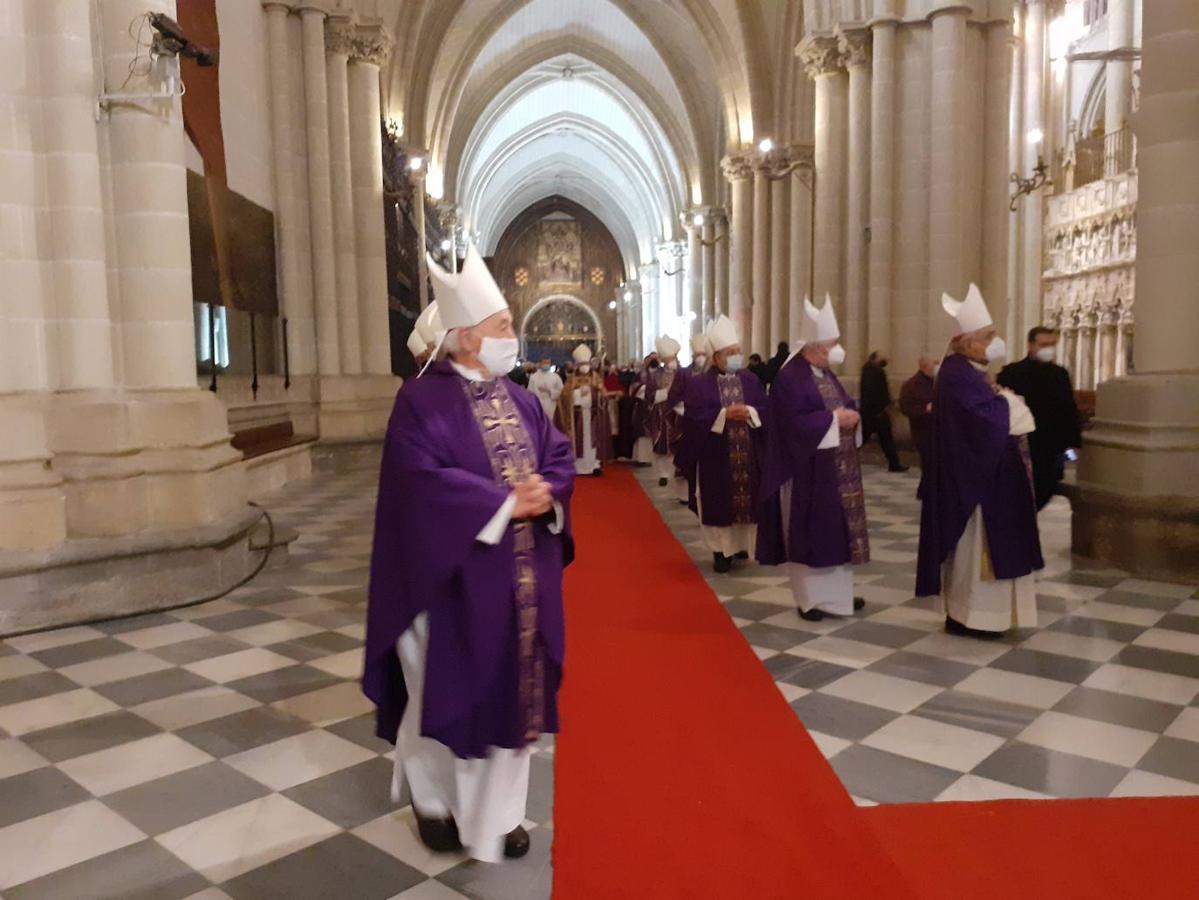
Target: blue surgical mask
(733, 363)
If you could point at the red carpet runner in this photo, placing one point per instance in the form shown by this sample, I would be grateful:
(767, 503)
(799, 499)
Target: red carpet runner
(682, 772)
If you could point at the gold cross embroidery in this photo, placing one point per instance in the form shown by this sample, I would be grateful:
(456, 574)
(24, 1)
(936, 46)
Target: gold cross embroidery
(505, 423)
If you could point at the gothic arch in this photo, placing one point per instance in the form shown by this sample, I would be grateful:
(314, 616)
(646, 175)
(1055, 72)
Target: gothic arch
(546, 302)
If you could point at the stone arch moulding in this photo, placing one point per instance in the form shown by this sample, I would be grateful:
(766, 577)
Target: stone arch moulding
(1090, 116)
(558, 298)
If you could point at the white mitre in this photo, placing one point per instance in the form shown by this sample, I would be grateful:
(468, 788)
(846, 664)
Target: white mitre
(428, 325)
(667, 346)
(971, 313)
(818, 326)
(581, 354)
(466, 298)
(722, 333)
(699, 343)
(416, 344)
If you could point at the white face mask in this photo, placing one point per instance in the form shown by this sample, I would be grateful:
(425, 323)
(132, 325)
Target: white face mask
(836, 356)
(1047, 354)
(584, 368)
(498, 355)
(700, 359)
(733, 364)
(672, 365)
(997, 349)
(936, 370)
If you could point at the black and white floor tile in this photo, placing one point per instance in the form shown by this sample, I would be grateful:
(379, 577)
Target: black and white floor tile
(1100, 699)
(225, 751)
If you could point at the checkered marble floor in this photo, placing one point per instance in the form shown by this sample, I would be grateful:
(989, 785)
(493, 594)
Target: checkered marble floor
(224, 751)
(1101, 699)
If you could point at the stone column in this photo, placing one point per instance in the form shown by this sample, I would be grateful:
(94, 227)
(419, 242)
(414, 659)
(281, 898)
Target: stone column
(695, 277)
(709, 251)
(338, 46)
(720, 235)
(800, 280)
(372, 47)
(758, 338)
(1117, 96)
(855, 48)
(320, 194)
(1032, 208)
(652, 297)
(996, 187)
(824, 63)
(946, 261)
(780, 247)
(302, 330)
(1137, 504)
(738, 169)
(881, 248)
(1015, 281)
(79, 349)
(418, 201)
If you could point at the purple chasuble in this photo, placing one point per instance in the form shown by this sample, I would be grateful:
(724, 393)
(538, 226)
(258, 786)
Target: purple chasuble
(724, 468)
(973, 462)
(827, 523)
(496, 630)
(662, 423)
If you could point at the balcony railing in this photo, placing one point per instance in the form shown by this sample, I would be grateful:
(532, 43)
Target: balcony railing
(1104, 156)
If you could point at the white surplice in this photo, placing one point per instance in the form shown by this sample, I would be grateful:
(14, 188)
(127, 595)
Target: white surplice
(970, 592)
(588, 462)
(548, 388)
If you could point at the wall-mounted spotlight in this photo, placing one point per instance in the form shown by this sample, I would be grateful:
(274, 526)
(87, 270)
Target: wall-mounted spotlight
(612, 305)
(628, 296)
(766, 145)
(698, 221)
(416, 163)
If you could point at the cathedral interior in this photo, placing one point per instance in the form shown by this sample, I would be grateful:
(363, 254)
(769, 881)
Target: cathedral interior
(214, 218)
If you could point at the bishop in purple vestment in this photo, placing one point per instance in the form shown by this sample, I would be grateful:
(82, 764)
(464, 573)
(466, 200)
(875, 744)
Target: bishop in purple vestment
(813, 513)
(979, 544)
(465, 632)
(662, 423)
(674, 400)
(721, 446)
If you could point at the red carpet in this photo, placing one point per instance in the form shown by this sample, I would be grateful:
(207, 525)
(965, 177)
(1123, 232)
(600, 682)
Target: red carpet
(682, 772)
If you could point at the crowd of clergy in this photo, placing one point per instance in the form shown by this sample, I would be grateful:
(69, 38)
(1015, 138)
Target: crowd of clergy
(465, 627)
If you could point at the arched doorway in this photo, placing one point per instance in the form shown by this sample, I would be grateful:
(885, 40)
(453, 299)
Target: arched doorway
(556, 325)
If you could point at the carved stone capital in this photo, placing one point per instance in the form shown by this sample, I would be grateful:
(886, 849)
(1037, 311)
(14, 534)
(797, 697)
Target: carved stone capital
(821, 56)
(738, 166)
(371, 43)
(856, 46)
(339, 33)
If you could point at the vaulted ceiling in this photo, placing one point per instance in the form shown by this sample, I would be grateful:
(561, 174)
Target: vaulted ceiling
(624, 106)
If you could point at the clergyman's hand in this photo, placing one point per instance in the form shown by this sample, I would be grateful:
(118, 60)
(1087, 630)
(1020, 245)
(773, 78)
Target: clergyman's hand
(847, 418)
(533, 498)
(738, 412)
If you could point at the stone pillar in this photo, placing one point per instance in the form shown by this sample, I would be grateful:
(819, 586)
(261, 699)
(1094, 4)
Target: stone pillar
(289, 256)
(1137, 500)
(418, 201)
(652, 297)
(738, 169)
(881, 248)
(802, 187)
(780, 247)
(79, 345)
(996, 187)
(1117, 95)
(695, 277)
(338, 45)
(372, 47)
(709, 251)
(758, 338)
(855, 48)
(720, 235)
(946, 263)
(823, 61)
(1015, 281)
(1032, 207)
(320, 195)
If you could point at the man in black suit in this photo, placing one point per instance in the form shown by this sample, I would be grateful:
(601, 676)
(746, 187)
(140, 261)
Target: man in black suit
(876, 401)
(1046, 388)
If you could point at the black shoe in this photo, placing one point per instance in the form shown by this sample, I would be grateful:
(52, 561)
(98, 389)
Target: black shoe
(953, 626)
(516, 844)
(744, 554)
(812, 615)
(439, 835)
(598, 472)
(721, 563)
(663, 482)
(858, 604)
(898, 468)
